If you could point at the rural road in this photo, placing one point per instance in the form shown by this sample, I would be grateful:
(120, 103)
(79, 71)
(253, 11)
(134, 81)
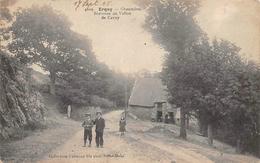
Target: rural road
(136, 146)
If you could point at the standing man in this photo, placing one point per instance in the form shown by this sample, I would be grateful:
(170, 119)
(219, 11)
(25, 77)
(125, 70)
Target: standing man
(100, 125)
(87, 124)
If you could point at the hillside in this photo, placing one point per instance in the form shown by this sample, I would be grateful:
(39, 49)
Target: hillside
(20, 105)
(32, 145)
(27, 119)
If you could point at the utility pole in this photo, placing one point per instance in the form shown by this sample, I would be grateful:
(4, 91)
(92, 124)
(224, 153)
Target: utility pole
(126, 99)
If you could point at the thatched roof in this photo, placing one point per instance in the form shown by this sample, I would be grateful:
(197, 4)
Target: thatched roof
(147, 91)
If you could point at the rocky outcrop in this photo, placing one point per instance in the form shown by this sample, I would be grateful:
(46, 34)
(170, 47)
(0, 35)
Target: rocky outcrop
(20, 105)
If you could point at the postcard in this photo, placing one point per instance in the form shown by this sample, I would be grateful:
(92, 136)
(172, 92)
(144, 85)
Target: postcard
(138, 81)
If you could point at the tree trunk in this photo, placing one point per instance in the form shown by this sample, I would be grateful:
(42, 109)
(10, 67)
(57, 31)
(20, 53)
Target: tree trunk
(183, 133)
(52, 83)
(210, 134)
(203, 129)
(187, 121)
(200, 124)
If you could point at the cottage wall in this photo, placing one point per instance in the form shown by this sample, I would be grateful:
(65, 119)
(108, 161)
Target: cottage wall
(144, 113)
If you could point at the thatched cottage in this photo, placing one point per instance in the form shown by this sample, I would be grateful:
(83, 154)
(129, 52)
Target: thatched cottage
(148, 100)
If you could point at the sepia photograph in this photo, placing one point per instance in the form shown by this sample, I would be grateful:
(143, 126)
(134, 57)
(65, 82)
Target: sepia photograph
(130, 81)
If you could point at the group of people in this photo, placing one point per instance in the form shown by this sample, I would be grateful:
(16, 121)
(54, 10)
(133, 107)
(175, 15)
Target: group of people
(88, 124)
(100, 125)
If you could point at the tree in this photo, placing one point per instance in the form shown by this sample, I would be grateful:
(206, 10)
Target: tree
(112, 85)
(207, 78)
(120, 88)
(5, 18)
(76, 85)
(173, 26)
(43, 36)
(96, 82)
(242, 99)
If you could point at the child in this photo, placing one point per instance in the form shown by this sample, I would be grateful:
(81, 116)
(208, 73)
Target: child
(122, 124)
(87, 124)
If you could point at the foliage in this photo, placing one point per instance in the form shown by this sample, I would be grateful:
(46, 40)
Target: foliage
(43, 36)
(207, 78)
(173, 25)
(20, 104)
(79, 87)
(101, 102)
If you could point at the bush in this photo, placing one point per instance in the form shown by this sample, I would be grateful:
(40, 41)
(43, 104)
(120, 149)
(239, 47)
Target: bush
(101, 102)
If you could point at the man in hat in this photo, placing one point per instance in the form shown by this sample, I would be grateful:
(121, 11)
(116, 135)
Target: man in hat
(87, 124)
(100, 125)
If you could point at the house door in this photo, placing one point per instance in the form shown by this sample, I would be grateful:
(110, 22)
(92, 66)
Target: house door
(171, 117)
(159, 116)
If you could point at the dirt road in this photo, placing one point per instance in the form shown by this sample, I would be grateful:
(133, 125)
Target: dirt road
(140, 144)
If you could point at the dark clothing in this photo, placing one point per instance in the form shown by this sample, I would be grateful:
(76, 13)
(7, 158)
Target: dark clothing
(100, 124)
(99, 139)
(87, 135)
(122, 124)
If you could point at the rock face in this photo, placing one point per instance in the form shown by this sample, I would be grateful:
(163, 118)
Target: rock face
(20, 106)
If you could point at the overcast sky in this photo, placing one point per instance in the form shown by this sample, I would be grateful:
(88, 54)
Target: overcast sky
(125, 46)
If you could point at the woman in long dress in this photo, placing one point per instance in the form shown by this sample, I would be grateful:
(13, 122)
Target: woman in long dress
(122, 124)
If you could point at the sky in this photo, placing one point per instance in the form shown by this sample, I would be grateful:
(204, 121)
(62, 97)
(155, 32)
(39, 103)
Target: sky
(125, 46)
(235, 20)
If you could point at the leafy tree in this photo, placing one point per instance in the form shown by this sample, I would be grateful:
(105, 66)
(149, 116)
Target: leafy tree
(43, 36)
(113, 85)
(209, 79)
(5, 18)
(174, 27)
(120, 88)
(241, 100)
(75, 87)
(81, 86)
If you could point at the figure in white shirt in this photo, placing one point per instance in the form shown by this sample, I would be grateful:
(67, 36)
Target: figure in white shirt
(68, 111)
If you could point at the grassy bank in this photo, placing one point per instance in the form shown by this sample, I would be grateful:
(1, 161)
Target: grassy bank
(30, 144)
